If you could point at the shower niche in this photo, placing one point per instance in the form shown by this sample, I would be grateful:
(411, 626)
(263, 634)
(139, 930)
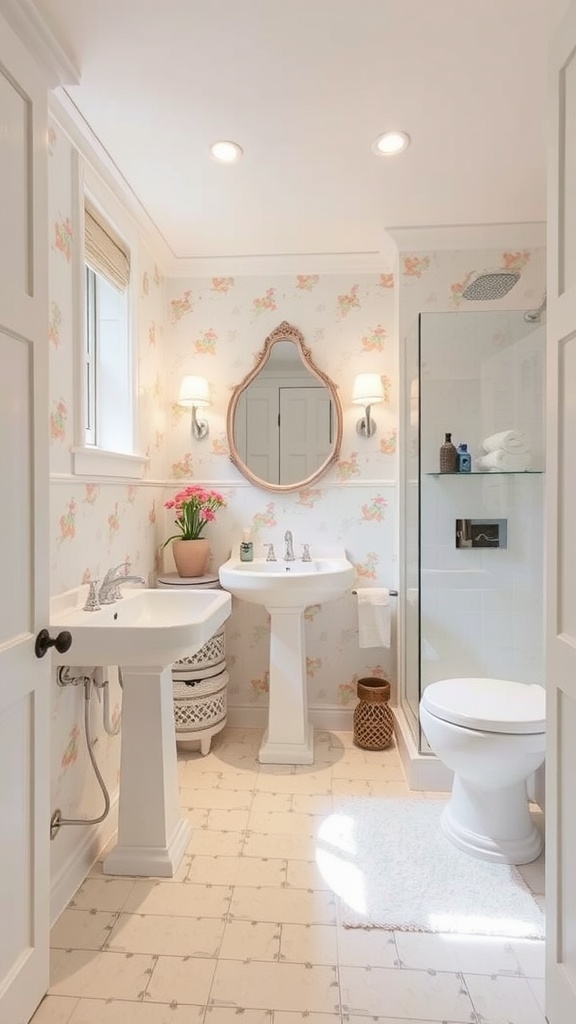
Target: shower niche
(472, 550)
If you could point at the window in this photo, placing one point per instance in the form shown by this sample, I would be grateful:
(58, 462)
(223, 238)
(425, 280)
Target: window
(108, 371)
(107, 438)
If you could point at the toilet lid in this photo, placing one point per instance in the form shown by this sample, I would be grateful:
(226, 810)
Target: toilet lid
(490, 705)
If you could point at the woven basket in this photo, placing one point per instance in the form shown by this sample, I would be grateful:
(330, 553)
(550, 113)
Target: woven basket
(373, 718)
(211, 653)
(200, 705)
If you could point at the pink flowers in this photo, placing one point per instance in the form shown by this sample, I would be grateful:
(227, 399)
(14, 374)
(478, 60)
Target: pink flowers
(193, 507)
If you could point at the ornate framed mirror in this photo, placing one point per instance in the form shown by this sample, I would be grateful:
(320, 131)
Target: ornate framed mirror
(284, 419)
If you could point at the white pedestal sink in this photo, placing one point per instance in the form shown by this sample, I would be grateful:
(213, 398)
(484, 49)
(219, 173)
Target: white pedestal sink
(144, 634)
(286, 589)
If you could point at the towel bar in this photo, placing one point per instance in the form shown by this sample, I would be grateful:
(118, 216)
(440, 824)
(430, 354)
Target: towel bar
(393, 593)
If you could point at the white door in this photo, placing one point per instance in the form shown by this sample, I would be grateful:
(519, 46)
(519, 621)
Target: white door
(305, 432)
(561, 533)
(262, 433)
(24, 562)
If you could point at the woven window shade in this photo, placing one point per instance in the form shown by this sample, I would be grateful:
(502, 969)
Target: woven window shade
(104, 251)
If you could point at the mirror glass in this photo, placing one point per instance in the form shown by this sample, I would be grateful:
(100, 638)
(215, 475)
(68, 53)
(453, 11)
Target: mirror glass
(285, 417)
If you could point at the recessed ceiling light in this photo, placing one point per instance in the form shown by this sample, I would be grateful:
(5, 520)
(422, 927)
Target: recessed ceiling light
(226, 152)
(390, 143)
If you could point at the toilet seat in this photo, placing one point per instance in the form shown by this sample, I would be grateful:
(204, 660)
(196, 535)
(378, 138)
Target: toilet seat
(488, 705)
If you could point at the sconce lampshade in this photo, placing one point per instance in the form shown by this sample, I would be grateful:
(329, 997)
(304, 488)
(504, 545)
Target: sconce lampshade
(194, 391)
(368, 389)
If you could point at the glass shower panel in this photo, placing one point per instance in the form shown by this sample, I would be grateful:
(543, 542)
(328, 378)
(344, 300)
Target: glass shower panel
(480, 603)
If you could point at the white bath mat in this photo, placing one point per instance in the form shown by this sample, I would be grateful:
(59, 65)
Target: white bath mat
(393, 868)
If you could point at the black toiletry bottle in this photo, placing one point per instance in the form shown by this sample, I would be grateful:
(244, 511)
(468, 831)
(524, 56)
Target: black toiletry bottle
(464, 463)
(448, 456)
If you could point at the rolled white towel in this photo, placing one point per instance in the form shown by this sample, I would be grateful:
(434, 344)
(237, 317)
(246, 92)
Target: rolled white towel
(504, 461)
(512, 441)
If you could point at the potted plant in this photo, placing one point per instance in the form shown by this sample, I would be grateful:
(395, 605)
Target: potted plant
(193, 508)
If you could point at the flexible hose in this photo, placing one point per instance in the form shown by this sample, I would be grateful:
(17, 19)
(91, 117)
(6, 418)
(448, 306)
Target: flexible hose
(91, 755)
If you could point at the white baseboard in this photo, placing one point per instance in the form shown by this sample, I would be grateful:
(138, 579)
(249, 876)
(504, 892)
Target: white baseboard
(75, 868)
(424, 772)
(333, 718)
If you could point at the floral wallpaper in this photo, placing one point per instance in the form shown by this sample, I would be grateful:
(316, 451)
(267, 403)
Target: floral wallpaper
(218, 328)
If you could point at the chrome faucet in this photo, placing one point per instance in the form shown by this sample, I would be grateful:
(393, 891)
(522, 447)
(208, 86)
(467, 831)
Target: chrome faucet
(110, 587)
(289, 555)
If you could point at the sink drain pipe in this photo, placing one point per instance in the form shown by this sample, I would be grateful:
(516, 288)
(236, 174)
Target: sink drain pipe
(56, 821)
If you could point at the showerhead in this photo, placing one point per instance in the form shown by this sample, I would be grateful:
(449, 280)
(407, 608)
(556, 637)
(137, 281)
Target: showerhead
(490, 284)
(534, 316)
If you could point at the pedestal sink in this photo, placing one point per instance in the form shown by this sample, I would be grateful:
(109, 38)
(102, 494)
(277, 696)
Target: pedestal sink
(144, 633)
(286, 589)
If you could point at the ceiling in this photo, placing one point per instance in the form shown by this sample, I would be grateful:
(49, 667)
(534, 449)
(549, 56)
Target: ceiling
(305, 86)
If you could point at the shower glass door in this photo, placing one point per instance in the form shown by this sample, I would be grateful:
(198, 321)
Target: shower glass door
(474, 604)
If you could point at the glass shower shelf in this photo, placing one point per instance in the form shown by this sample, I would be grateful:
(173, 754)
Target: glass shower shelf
(493, 472)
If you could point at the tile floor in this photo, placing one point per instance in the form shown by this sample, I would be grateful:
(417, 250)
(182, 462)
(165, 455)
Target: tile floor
(249, 927)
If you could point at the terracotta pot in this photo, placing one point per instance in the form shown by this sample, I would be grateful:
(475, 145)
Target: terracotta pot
(191, 556)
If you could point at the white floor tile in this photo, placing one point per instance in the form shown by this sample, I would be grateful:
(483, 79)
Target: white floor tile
(472, 954)
(210, 843)
(301, 874)
(276, 986)
(366, 947)
(82, 929)
(181, 980)
(229, 1015)
(55, 1010)
(290, 906)
(101, 975)
(503, 1000)
(250, 940)
(309, 944)
(404, 993)
(103, 894)
(167, 935)
(187, 900)
(531, 957)
(97, 1011)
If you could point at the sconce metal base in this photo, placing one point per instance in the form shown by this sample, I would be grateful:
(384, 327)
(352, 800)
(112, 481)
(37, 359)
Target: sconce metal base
(200, 429)
(366, 427)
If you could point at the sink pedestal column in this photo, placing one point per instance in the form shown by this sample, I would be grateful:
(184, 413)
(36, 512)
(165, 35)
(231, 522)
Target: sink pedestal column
(289, 738)
(152, 835)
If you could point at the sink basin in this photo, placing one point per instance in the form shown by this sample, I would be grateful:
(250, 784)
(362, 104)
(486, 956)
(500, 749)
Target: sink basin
(288, 584)
(144, 633)
(146, 627)
(286, 589)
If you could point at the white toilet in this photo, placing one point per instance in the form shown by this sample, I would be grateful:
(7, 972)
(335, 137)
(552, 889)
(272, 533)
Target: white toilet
(491, 733)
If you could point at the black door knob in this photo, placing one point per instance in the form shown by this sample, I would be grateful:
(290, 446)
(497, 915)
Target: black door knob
(61, 642)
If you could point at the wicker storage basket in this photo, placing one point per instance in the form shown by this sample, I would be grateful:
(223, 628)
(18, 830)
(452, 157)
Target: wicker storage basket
(373, 718)
(200, 704)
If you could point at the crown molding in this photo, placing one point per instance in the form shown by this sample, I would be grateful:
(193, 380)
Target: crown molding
(65, 112)
(525, 235)
(289, 264)
(31, 28)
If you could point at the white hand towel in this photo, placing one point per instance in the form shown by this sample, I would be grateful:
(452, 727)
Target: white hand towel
(512, 441)
(373, 617)
(504, 461)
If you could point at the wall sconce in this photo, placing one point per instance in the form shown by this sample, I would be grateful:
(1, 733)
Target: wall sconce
(195, 394)
(368, 390)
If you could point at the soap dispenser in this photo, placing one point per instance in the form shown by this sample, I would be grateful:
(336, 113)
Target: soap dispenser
(246, 547)
(464, 464)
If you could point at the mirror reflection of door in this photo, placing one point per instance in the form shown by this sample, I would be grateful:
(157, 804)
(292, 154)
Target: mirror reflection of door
(283, 424)
(283, 433)
(305, 428)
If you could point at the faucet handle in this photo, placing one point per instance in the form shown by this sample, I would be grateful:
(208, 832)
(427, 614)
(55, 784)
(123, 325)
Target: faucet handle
(270, 557)
(306, 553)
(92, 603)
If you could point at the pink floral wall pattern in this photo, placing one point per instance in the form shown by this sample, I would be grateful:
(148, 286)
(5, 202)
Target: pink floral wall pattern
(58, 418)
(347, 301)
(54, 324)
(264, 303)
(222, 284)
(180, 307)
(63, 234)
(205, 345)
